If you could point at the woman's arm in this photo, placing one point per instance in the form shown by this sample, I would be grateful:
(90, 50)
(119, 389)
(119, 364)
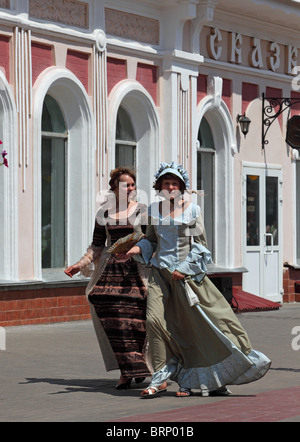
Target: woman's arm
(93, 252)
(147, 246)
(199, 255)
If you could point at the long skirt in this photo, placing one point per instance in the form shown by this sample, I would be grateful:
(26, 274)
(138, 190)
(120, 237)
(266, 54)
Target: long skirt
(203, 346)
(119, 301)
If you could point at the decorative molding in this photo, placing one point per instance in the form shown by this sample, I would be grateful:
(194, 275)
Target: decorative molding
(205, 15)
(67, 12)
(295, 154)
(215, 88)
(220, 121)
(100, 101)
(23, 87)
(100, 40)
(131, 26)
(72, 97)
(145, 116)
(184, 118)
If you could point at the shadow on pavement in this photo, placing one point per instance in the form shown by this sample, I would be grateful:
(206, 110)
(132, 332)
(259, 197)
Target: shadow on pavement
(104, 386)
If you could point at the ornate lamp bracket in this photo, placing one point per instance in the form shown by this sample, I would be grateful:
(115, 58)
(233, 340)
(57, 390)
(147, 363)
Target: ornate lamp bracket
(272, 108)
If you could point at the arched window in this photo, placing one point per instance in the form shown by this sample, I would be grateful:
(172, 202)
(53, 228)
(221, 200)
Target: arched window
(206, 178)
(125, 140)
(9, 268)
(54, 151)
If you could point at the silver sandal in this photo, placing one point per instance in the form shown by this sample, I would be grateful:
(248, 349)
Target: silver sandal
(150, 394)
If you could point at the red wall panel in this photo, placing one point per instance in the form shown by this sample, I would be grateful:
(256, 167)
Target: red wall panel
(116, 72)
(249, 93)
(4, 55)
(42, 58)
(147, 76)
(201, 87)
(78, 63)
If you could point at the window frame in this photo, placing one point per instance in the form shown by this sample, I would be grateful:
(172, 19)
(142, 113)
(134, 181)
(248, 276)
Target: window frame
(212, 152)
(131, 143)
(64, 136)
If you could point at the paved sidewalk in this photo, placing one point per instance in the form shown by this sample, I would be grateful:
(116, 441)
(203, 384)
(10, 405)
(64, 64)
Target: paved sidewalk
(55, 373)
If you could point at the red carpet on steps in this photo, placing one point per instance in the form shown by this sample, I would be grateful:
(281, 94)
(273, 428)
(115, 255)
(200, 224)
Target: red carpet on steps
(246, 302)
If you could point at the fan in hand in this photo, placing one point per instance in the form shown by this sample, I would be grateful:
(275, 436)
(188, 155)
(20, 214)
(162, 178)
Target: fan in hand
(123, 245)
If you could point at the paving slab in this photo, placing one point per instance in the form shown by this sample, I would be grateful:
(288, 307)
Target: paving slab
(55, 373)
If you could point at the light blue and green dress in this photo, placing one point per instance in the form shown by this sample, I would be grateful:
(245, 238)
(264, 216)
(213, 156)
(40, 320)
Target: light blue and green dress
(202, 346)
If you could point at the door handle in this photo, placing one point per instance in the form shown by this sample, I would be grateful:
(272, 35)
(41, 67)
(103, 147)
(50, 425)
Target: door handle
(269, 252)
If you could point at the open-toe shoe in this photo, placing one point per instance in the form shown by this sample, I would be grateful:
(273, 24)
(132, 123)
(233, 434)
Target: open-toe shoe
(151, 392)
(184, 392)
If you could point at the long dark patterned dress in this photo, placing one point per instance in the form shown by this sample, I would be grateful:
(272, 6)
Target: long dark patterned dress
(119, 299)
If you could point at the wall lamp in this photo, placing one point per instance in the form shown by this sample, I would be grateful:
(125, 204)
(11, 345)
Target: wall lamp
(244, 123)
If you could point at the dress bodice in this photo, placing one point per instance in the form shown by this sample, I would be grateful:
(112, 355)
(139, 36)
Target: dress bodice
(179, 243)
(112, 229)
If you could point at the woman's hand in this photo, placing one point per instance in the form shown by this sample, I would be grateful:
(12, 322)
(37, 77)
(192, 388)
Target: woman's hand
(72, 270)
(121, 257)
(176, 276)
(135, 250)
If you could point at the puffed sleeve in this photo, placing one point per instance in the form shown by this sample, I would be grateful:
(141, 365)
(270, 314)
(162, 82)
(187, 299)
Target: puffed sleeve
(147, 245)
(195, 263)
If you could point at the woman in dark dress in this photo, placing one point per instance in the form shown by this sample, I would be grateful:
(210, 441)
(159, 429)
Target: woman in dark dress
(117, 289)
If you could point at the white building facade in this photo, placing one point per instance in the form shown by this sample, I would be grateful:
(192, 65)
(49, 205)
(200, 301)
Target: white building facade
(88, 85)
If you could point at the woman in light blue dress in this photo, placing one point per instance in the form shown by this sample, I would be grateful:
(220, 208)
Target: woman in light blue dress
(194, 336)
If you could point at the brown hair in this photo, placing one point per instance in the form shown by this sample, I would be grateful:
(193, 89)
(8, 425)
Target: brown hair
(158, 184)
(116, 174)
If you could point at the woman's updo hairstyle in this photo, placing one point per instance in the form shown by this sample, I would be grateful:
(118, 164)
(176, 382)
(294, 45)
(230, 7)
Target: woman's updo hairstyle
(117, 173)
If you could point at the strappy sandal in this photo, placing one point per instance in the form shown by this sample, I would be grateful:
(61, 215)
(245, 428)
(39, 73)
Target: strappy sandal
(149, 394)
(184, 392)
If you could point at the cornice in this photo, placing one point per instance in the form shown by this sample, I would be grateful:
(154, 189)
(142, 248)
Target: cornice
(232, 21)
(285, 13)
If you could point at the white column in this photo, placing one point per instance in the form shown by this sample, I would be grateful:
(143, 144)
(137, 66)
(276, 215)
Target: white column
(23, 92)
(180, 106)
(100, 104)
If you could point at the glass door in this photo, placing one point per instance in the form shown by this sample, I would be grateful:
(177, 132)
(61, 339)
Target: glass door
(262, 247)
